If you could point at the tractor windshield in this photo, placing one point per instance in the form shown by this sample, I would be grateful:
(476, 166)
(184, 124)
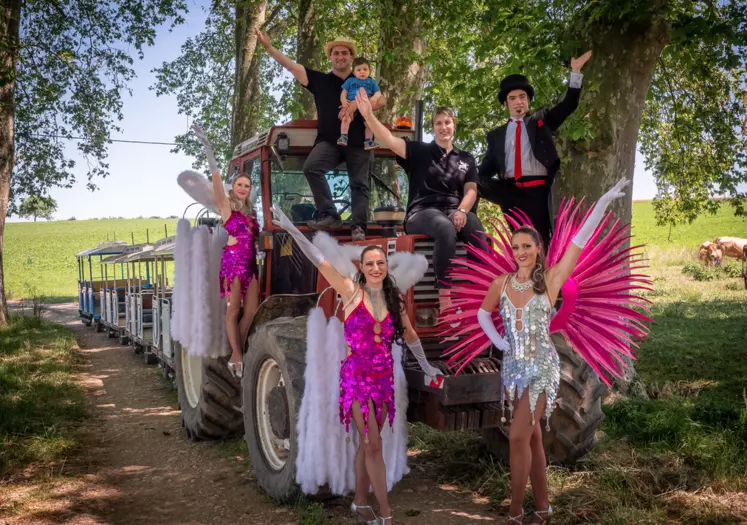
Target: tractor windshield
(291, 193)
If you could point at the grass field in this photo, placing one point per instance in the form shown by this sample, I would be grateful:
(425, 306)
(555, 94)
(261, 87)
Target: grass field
(676, 454)
(40, 400)
(41, 255)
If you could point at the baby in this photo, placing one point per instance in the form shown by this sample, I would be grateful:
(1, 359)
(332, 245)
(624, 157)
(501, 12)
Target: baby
(361, 79)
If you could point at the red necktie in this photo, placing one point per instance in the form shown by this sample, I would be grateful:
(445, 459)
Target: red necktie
(517, 158)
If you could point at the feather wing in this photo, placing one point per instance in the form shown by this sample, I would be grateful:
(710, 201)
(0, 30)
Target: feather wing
(341, 256)
(200, 189)
(407, 269)
(603, 313)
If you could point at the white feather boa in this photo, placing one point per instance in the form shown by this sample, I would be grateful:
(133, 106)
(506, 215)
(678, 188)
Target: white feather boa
(324, 456)
(198, 317)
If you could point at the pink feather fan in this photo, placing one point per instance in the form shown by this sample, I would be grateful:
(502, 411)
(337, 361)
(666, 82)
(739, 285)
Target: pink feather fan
(602, 316)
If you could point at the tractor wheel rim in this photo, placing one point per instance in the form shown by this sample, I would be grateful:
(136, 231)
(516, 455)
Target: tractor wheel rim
(275, 449)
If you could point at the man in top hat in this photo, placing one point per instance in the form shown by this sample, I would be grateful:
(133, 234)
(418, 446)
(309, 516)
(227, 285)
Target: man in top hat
(521, 161)
(326, 154)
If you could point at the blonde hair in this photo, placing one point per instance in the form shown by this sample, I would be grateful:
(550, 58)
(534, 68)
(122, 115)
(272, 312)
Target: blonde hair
(237, 204)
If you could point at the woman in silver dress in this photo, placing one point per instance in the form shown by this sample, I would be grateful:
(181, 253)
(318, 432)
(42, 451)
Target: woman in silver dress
(531, 370)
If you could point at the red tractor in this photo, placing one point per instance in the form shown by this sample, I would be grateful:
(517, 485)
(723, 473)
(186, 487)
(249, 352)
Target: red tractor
(265, 405)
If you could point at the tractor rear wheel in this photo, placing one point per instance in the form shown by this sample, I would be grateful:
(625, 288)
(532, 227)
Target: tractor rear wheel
(273, 383)
(209, 396)
(577, 414)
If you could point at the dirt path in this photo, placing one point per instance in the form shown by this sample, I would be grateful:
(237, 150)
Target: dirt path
(139, 467)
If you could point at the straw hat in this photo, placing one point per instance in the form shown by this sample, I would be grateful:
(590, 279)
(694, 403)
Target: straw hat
(342, 41)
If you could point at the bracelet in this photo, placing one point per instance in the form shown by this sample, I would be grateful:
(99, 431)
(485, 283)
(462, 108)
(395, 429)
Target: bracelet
(462, 210)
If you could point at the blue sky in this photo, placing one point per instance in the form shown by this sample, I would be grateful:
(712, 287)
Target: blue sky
(142, 180)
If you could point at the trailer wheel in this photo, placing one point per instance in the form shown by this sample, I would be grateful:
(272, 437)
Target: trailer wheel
(99, 326)
(208, 396)
(272, 385)
(577, 415)
(123, 339)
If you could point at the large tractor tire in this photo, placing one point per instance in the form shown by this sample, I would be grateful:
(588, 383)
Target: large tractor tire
(209, 396)
(576, 417)
(272, 386)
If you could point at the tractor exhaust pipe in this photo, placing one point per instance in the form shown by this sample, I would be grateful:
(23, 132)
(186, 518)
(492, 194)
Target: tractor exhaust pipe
(419, 120)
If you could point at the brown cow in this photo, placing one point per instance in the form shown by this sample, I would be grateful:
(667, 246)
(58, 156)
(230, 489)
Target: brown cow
(710, 253)
(732, 247)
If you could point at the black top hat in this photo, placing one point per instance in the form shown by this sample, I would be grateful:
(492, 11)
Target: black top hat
(512, 82)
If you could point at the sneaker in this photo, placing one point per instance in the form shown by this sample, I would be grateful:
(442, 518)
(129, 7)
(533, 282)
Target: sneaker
(325, 223)
(357, 234)
(370, 144)
(343, 140)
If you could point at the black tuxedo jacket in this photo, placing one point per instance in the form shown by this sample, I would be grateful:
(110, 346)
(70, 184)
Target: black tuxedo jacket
(540, 126)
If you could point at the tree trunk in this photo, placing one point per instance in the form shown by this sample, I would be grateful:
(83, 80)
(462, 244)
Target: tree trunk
(623, 64)
(10, 17)
(250, 15)
(307, 49)
(399, 72)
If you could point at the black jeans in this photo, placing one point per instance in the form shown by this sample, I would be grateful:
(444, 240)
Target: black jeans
(326, 156)
(533, 201)
(437, 225)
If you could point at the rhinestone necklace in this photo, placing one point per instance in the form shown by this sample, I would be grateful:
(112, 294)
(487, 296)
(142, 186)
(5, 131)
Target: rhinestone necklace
(521, 287)
(378, 304)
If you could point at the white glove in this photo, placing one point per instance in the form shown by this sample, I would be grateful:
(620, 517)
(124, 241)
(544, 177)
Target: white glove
(486, 323)
(417, 350)
(200, 134)
(597, 213)
(309, 250)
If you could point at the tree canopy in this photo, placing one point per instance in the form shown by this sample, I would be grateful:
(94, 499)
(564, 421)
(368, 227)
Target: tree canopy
(38, 206)
(668, 75)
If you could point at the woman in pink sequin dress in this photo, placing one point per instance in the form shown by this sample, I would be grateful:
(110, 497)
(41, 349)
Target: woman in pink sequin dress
(238, 266)
(374, 319)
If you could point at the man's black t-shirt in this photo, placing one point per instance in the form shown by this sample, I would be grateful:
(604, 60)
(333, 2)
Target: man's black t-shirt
(326, 88)
(436, 178)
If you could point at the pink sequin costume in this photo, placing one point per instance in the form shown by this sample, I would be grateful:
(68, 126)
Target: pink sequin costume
(238, 260)
(367, 373)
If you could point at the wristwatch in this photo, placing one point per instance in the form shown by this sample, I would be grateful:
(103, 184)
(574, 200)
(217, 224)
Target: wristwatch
(462, 210)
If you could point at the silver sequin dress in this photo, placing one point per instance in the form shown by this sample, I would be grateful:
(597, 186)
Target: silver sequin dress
(532, 363)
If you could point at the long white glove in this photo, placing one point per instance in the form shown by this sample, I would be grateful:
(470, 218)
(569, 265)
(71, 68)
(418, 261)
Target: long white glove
(200, 134)
(417, 350)
(486, 323)
(597, 213)
(309, 250)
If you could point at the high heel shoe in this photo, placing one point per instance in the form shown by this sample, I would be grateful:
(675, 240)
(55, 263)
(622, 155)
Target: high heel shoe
(384, 520)
(543, 519)
(516, 519)
(236, 369)
(359, 516)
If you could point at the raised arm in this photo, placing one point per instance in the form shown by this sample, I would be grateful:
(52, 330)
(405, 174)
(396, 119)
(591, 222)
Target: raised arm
(220, 192)
(383, 135)
(555, 116)
(343, 285)
(298, 71)
(557, 275)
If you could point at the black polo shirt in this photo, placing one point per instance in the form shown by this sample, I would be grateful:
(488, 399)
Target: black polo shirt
(326, 88)
(436, 179)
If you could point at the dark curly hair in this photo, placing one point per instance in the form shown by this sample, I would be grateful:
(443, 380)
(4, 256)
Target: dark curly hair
(538, 274)
(394, 302)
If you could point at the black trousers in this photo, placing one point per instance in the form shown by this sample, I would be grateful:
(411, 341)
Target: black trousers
(437, 225)
(533, 201)
(326, 156)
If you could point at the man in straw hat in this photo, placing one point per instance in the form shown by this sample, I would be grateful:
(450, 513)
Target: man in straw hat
(326, 154)
(521, 162)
